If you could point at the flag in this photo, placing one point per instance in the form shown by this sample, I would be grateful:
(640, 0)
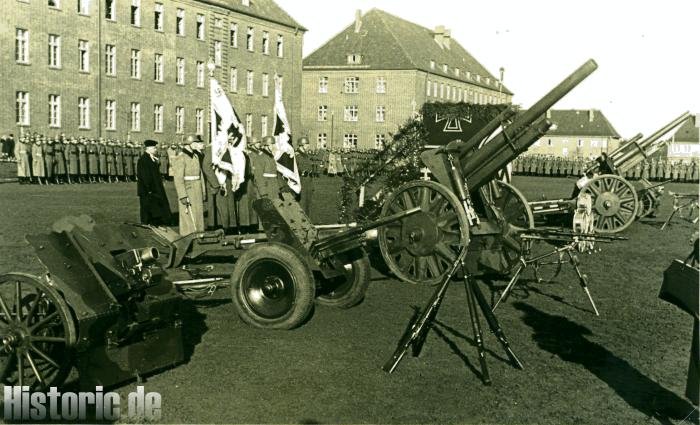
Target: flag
(227, 138)
(283, 151)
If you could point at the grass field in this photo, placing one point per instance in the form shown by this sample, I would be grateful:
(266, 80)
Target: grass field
(627, 366)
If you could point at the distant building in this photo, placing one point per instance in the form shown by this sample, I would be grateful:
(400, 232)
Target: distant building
(577, 133)
(114, 68)
(365, 82)
(685, 142)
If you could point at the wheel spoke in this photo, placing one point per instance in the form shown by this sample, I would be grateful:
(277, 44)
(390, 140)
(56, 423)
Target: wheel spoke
(33, 309)
(5, 310)
(34, 369)
(44, 356)
(20, 369)
(424, 199)
(44, 321)
(18, 300)
(407, 200)
(421, 267)
(445, 252)
(48, 339)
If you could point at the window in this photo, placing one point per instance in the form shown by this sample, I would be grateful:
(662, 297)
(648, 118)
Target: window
(180, 22)
(594, 143)
(442, 90)
(199, 115)
(444, 68)
(380, 115)
(217, 53)
(478, 78)
(349, 141)
(459, 95)
(111, 115)
(432, 64)
(250, 39)
(83, 113)
(158, 118)
(549, 142)
(135, 63)
(249, 125)
(179, 119)
(158, 17)
(246, 2)
(249, 82)
(22, 46)
(110, 60)
(54, 51)
(351, 113)
(265, 85)
(180, 71)
(263, 126)
(54, 110)
(279, 83)
(323, 84)
(323, 113)
(457, 72)
(381, 85)
(55, 3)
(454, 93)
(266, 43)
(200, 26)
(427, 88)
(352, 84)
(22, 108)
(322, 141)
(233, 82)
(280, 45)
(354, 59)
(379, 141)
(83, 56)
(110, 12)
(447, 92)
(469, 75)
(488, 80)
(135, 119)
(435, 87)
(580, 143)
(200, 74)
(136, 13)
(84, 7)
(158, 67)
(233, 36)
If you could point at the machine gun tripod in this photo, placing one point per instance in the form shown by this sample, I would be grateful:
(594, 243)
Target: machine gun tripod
(684, 202)
(565, 243)
(418, 329)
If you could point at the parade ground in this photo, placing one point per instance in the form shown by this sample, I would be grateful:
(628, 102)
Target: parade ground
(627, 366)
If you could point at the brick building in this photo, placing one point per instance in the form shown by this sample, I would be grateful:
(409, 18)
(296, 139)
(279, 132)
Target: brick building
(365, 82)
(114, 68)
(577, 133)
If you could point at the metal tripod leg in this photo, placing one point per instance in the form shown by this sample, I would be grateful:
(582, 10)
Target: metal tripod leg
(582, 279)
(511, 284)
(476, 328)
(668, 220)
(495, 327)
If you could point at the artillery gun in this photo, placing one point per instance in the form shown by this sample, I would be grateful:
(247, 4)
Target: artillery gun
(462, 204)
(110, 303)
(616, 202)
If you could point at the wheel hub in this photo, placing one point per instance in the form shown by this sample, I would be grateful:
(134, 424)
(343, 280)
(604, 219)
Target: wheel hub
(421, 233)
(607, 204)
(273, 287)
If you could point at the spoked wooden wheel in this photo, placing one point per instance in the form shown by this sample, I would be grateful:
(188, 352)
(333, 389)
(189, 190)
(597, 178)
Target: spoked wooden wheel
(514, 208)
(614, 203)
(37, 332)
(421, 248)
(647, 204)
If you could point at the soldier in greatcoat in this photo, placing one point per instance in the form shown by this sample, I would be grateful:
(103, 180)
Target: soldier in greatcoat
(102, 160)
(38, 170)
(164, 162)
(71, 150)
(675, 170)
(49, 161)
(22, 150)
(693, 171)
(683, 167)
(128, 162)
(83, 160)
(59, 159)
(119, 159)
(111, 169)
(93, 161)
(189, 184)
(306, 170)
(645, 170)
(153, 201)
(652, 169)
(172, 153)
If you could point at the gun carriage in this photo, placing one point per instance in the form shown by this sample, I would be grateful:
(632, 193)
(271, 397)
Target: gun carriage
(615, 201)
(462, 204)
(111, 302)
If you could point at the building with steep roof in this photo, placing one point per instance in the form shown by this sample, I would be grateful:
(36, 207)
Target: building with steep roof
(139, 68)
(577, 133)
(685, 142)
(365, 82)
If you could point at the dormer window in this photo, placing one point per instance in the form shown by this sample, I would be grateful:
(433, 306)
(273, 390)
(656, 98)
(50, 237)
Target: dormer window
(432, 64)
(488, 80)
(444, 68)
(469, 75)
(478, 78)
(354, 59)
(457, 72)
(246, 2)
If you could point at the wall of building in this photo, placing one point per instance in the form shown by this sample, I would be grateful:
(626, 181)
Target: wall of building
(41, 81)
(574, 146)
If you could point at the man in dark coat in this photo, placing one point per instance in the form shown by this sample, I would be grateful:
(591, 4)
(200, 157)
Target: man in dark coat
(155, 209)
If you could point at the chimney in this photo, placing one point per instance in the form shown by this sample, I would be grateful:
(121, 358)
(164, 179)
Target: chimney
(591, 115)
(358, 20)
(446, 39)
(439, 35)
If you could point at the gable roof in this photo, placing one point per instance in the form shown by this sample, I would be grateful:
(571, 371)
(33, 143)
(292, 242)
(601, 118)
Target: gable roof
(576, 122)
(386, 41)
(689, 132)
(263, 9)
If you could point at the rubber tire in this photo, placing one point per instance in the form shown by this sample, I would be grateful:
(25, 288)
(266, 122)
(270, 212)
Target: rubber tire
(361, 273)
(304, 288)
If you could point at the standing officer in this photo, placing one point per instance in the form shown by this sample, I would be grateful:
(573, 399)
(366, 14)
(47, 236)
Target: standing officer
(23, 164)
(155, 209)
(59, 160)
(93, 161)
(83, 160)
(189, 184)
(49, 161)
(305, 166)
(129, 162)
(102, 159)
(119, 159)
(38, 170)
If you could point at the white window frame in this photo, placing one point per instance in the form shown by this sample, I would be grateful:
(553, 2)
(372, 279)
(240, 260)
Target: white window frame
(380, 114)
(201, 22)
(55, 111)
(200, 74)
(111, 10)
(54, 51)
(22, 108)
(158, 67)
(280, 46)
(427, 88)
(266, 43)
(56, 4)
(233, 35)
(265, 85)
(179, 119)
(351, 113)
(233, 79)
(217, 52)
(158, 17)
(199, 121)
(323, 84)
(135, 117)
(249, 125)
(83, 56)
(350, 141)
(135, 68)
(352, 85)
(84, 113)
(263, 126)
(84, 7)
(157, 118)
(322, 141)
(381, 85)
(180, 22)
(379, 141)
(180, 71)
(21, 45)
(322, 113)
(110, 114)
(250, 83)
(250, 39)
(110, 59)
(135, 13)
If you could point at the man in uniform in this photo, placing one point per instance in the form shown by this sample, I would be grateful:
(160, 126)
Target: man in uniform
(155, 209)
(189, 184)
(49, 161)
(83, 160)
(38, 159)
(59, 160)
(305, 166)
(93, 161)
(22, 150)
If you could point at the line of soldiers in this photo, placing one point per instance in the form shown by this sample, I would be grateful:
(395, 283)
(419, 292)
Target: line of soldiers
(655, 169)
(7, 147)
(70, 160)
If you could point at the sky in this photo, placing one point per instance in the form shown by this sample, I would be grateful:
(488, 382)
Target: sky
(647, 50)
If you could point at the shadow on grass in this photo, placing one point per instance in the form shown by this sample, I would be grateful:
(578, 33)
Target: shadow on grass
(567, 340)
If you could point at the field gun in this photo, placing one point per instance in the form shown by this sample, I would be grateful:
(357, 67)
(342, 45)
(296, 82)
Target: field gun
(617, 202)
(462, 204)
(110, 303)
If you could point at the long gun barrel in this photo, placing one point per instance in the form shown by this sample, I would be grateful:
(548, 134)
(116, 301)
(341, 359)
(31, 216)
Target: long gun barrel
(617, 153)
